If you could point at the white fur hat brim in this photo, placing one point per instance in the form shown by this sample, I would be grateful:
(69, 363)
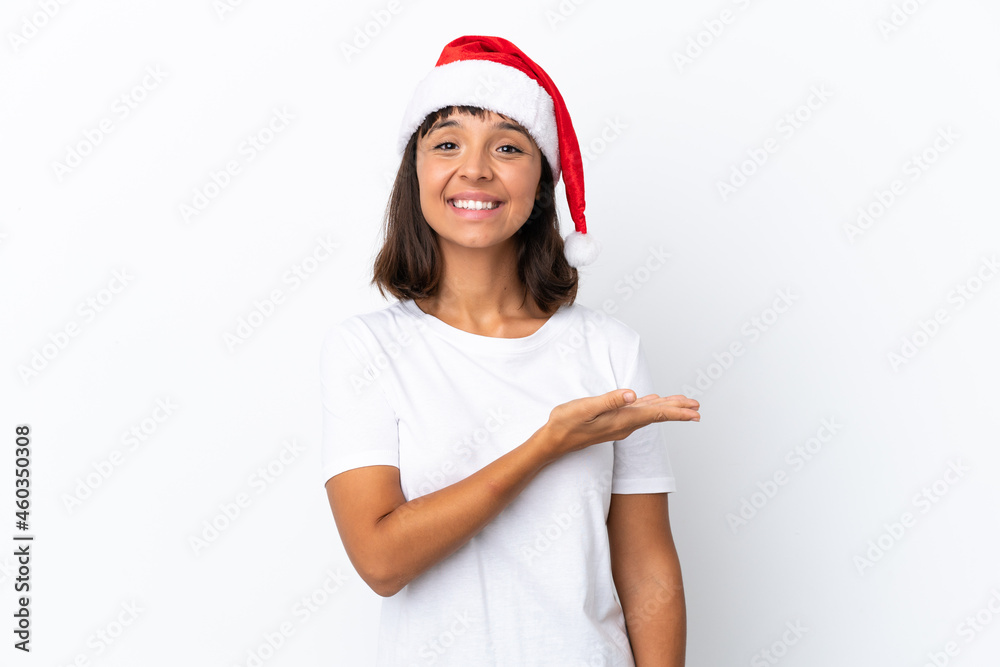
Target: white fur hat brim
(488, 85)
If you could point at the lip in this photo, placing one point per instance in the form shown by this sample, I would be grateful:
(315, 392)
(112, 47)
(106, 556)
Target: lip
(474, 195)
(473, 214)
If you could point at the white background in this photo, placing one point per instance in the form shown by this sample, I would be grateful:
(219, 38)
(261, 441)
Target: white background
(683, 127)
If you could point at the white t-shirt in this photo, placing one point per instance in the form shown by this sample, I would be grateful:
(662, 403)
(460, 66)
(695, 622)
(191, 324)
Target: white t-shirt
(402, 388)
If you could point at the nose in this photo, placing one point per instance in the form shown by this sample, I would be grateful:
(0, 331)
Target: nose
(476, 164)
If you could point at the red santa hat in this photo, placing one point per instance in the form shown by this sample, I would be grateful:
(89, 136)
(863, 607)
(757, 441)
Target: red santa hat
(491, 73)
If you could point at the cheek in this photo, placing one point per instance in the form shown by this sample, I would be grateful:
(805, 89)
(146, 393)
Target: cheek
(429, 193)
(527, 189)
(423, 188)
(429, 180)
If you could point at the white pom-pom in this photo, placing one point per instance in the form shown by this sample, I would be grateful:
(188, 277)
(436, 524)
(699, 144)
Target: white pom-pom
(581, 249)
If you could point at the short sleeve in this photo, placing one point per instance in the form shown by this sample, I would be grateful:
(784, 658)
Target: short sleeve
(641, 461)
(359, 424)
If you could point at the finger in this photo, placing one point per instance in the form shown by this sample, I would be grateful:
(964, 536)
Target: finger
(683, 401)
(662, 413)
(646, 398)
(618, 398)
(677, 399)
(684, 415)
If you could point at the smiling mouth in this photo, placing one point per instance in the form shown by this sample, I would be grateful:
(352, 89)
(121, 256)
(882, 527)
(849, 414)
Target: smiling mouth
(474, 205)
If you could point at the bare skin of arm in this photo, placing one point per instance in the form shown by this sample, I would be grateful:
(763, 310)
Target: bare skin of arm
(390, 540)
(647, 574)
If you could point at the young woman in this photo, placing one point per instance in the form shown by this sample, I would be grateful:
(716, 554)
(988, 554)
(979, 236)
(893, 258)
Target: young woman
(490, 451)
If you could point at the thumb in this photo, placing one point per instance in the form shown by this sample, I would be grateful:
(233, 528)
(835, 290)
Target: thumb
(619, 398)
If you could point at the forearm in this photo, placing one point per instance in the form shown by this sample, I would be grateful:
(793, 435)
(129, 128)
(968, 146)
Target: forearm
(656, 616)
(423, 531)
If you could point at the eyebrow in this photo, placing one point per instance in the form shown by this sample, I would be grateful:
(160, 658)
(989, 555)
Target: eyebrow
(497, 125)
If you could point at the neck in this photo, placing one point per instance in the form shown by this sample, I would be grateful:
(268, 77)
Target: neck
(480, 288)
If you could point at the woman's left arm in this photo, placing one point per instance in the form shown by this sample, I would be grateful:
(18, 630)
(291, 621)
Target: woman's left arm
(647, 575)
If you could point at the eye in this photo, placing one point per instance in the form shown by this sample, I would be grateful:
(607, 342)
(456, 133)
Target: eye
(447, 143)
(515, 149)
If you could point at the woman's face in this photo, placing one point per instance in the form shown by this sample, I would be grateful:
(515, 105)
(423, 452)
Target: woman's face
(478, 178)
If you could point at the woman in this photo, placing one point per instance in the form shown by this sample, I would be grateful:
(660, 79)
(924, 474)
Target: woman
(485, 454)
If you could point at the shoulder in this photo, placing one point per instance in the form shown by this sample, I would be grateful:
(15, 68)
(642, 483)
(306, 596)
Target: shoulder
(608, 341)
(598, 325)
(366, 334)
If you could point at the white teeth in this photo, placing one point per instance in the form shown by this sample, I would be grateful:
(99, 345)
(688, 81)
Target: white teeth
(475, 205)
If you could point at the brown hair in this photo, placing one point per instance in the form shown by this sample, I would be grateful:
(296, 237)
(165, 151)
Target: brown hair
(409, 264)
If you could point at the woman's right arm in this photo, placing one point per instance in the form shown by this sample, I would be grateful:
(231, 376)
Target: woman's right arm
(390, 541)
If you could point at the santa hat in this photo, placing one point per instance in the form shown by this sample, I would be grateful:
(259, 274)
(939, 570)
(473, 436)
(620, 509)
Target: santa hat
(491, 73)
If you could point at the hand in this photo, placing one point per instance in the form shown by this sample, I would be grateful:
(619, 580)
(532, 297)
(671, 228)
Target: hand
(612, 416)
